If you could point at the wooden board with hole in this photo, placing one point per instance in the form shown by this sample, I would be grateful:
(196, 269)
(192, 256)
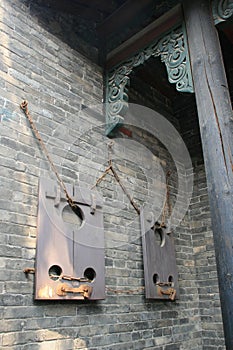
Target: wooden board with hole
(70, 244)
(160, 271)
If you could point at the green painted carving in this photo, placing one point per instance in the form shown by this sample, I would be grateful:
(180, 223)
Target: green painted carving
(222, 10)
(172, 49)
(117, 98)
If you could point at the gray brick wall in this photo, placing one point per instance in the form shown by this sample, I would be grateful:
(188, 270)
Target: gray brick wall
(57, 80)
(203, 248)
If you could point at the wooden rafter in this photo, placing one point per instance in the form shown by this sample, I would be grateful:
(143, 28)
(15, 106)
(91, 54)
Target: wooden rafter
(78, 8)
(123, 16)
(145, 36)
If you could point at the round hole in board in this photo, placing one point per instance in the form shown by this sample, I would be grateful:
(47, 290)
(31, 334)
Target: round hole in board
(159, 236)
(155, 278)
(55, 272)
(72, 216)
(89, 274)
(171, 280)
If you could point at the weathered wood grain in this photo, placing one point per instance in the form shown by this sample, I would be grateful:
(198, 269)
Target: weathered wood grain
(216, 126)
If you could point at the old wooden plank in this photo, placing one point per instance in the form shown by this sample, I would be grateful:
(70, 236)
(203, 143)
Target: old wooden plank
(216, 126)
(82, 9)
(145, 36)
(128, 11)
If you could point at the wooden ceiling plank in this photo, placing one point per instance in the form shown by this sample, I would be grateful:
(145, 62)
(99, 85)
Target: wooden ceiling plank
(122, 16)
(103, 5)
(145, 36)
(71, 7)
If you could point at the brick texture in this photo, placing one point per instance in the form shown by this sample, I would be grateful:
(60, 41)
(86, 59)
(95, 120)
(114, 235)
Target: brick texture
(39, 65)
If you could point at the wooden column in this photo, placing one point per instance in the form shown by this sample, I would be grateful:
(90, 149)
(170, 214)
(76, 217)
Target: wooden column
(216, 126)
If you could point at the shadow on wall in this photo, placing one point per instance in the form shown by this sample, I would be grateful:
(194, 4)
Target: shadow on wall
(72, 29)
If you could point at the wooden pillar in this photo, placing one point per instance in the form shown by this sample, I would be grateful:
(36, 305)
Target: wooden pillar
(216, 127)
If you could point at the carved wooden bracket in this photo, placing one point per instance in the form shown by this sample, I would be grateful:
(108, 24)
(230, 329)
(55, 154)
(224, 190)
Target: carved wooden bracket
(222, 10)
(173, 51)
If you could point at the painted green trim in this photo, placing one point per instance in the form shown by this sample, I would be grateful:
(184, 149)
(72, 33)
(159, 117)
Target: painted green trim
(172, 50)
(222, 10)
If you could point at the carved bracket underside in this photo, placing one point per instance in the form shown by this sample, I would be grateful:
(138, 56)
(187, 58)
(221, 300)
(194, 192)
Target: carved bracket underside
(173, 51)
(222, 10)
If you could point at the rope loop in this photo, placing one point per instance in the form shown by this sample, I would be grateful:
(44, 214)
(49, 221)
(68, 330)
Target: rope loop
(24, 105)
(116, 176)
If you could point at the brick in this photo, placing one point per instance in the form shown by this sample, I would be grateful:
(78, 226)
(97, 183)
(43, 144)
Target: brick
(57, 80)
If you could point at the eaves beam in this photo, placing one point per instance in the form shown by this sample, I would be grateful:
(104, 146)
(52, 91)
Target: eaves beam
(127, 12)
(143, 38)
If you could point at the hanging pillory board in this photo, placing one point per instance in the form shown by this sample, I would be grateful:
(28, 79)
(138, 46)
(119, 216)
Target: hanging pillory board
(70, 244)
(160, 271)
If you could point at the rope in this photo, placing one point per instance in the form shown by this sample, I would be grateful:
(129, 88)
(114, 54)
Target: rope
(125, 191)
(167, 205)
(111, 169)
(24, 107)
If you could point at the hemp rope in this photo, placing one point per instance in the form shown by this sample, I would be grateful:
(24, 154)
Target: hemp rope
(24, 107)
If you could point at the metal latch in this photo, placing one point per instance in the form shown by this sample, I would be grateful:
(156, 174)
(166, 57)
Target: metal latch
(64, 288)
(171, 292)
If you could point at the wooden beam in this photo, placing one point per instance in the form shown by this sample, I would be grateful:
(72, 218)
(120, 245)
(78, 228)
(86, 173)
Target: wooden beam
(72, 7)
(145, 36)
(103, 5)
(216, 126)
(122, 16)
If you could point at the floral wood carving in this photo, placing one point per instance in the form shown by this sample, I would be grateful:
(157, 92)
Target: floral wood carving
(222, 10)
(172, 50)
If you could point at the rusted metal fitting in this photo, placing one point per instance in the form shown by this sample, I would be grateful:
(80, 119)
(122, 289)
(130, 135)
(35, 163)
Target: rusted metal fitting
(64, 288)
(28, 270)
(171, 292)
